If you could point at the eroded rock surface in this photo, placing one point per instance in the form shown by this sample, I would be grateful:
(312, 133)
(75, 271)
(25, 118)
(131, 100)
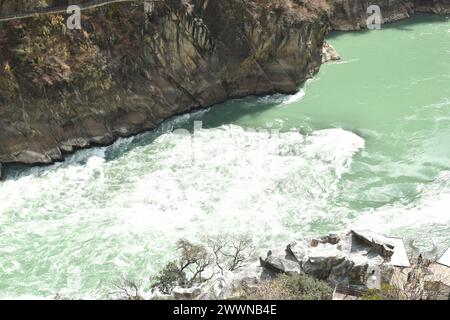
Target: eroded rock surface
(336, 259)
(341, 260)
(129, 69)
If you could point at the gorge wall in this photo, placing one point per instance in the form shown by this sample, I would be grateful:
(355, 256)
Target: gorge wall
(127, 70)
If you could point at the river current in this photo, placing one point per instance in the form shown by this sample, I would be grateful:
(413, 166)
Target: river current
(365, 144)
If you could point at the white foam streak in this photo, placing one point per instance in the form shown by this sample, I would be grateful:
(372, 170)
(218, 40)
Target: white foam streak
(282, 99)
(430, 209)
(97, 216)
(295, 98)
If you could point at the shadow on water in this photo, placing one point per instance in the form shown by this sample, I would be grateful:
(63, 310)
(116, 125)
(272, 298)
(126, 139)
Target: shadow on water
(228, 112)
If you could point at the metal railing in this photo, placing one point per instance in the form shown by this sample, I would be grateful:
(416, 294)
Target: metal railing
(349, 290)
(57, 10)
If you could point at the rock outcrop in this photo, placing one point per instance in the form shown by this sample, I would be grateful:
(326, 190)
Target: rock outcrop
(125, 71)
(128, 69)
(343, 261)
(329, 53)
(338, 260)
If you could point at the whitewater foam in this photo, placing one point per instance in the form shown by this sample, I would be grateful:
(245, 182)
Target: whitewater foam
(421, 217)
(98, 216)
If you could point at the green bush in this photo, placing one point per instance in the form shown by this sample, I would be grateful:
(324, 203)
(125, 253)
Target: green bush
(387, 292)
(187, 271)
(290, 287)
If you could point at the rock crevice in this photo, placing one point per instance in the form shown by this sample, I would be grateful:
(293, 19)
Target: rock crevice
(127, 70)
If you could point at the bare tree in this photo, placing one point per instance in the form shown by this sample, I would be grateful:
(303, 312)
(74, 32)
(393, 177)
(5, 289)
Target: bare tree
(188, 270)
(194, 261)
(231, 252)
(217, 247)
(127, 290)
(239, 252)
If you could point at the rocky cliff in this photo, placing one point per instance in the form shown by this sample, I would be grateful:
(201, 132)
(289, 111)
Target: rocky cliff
(128, 68)
(344, 261)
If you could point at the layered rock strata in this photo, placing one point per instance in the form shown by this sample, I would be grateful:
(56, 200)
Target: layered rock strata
(132, 66)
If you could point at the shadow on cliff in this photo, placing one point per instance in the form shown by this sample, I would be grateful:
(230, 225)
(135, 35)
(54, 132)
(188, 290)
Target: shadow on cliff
(228, 112)
(225, 113)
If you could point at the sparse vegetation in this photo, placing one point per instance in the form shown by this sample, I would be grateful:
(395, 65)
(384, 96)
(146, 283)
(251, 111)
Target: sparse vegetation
(198, 263)
(127, 290)
(187, 270)
(232, 252)
(290, 287)
(387, 292)
(419, 282)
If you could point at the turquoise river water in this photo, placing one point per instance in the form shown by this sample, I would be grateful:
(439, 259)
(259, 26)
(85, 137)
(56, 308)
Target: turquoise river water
(365, 144)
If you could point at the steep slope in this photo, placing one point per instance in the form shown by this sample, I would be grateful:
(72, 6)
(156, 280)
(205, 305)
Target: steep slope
(127, 69)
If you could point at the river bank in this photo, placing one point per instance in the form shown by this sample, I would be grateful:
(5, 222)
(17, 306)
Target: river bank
(94, 87)
(363, 145)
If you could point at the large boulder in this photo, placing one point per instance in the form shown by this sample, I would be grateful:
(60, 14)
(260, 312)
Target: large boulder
(376, 243)
(344, 259)
(322, 259)
(232, 283)
(281, 261)
(186, 293)
(341, 260)
(329, 53)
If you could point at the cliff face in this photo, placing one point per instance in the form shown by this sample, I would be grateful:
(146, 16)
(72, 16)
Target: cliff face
(127, 70)
(352, 14)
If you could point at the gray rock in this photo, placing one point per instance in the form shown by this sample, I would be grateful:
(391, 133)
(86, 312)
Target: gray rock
(217, 289)
(340, 260)
(281, 261)
(329, 53)
(186, 293)
(298, 249)
(334, 258)
(322, 259)
(376, 242)
(232, 284)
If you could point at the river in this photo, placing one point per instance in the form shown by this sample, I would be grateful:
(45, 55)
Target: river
(365, 144)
